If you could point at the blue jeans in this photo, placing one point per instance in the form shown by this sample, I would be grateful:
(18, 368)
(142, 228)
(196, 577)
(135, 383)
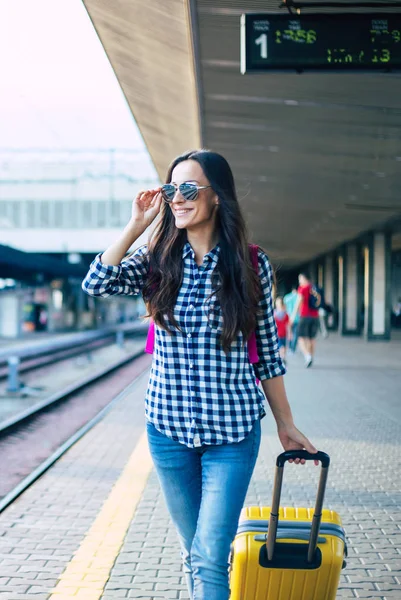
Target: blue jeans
(204, 489)
(294, 339)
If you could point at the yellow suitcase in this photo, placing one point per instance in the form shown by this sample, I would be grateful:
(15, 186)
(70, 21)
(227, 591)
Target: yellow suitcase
(301, 555)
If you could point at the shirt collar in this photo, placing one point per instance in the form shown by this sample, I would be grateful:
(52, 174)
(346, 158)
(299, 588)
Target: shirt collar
(212, 256)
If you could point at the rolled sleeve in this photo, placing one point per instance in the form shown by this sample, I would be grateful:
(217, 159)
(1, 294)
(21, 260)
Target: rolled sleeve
(270, 363)
(127, 278)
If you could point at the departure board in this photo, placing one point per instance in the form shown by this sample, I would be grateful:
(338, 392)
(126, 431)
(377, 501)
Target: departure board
(330, 42)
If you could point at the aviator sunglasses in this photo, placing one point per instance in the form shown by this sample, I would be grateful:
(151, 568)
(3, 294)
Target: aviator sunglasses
(188, 190)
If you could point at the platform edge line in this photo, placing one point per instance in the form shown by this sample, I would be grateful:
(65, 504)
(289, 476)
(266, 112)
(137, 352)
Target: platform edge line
(87, 573)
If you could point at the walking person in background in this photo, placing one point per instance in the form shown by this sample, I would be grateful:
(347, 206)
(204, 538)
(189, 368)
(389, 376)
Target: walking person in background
(397, 313)
(290, 301)
(308, 318)
(203, 405)
(283, 327)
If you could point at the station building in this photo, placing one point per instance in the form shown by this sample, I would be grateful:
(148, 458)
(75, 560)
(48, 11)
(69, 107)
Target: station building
(58, 209)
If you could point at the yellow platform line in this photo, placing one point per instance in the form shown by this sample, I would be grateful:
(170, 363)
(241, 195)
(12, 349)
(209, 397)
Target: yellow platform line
(88, 571)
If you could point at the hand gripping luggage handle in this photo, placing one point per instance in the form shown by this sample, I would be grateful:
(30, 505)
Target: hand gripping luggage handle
(278, 481)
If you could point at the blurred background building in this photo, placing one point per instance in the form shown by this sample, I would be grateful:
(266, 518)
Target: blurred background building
(66, 206)
(71, 162)
(69, 202)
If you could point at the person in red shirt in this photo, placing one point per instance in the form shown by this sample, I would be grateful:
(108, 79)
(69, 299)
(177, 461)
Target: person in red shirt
(283, 326)
(308, 319)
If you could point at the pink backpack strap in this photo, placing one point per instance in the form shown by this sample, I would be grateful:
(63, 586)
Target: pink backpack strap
(150, 340)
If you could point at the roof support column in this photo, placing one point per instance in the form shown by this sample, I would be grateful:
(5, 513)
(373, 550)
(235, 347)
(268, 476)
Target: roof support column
(349, 284)
(314, 271)
(330, 286)
(11, 306)
(377, 255)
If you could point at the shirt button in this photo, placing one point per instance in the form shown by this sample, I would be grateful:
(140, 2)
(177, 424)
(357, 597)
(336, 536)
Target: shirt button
(189, 335)
(191, 306)
(191, 365)
(197, 441)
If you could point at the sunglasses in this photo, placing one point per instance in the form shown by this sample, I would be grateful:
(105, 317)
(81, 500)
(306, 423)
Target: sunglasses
(189, 191)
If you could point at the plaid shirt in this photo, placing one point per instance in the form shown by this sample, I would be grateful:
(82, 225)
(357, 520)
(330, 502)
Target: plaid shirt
(196, 393)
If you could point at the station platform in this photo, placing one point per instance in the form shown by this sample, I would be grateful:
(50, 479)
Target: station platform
(95, 525)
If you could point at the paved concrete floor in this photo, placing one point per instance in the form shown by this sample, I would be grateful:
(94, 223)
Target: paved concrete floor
(349, 404)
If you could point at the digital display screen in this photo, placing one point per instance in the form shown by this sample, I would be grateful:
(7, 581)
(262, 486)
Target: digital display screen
(327, 42)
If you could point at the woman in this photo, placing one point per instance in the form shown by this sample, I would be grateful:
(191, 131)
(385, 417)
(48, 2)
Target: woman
(203, 406)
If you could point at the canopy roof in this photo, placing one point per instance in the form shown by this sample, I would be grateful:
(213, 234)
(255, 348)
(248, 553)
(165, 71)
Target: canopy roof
(316, 156)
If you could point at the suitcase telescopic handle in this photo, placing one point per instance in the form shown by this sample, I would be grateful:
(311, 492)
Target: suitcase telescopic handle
(292, 454)
(278, 482)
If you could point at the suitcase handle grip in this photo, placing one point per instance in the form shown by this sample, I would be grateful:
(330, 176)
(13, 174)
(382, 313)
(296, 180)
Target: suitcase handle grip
(292, 454)
(317, 515)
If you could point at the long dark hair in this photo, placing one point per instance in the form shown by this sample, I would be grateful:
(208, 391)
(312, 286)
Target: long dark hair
(234, 280)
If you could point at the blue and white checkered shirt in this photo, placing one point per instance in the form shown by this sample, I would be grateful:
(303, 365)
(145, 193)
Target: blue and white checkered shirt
(197, 394)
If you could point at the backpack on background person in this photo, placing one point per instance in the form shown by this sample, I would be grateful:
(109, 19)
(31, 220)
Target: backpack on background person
(316, 298)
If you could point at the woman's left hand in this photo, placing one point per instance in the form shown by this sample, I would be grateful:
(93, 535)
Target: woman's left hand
(292, 439)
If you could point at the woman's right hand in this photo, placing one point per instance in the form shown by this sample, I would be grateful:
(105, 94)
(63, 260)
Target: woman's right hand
(146, 207)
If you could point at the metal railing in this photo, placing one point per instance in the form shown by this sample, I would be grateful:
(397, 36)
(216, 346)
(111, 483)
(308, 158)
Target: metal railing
(13, 356)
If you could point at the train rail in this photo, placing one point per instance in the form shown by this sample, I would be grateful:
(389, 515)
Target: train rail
(51, 427)
(30, 364)
(34, 356)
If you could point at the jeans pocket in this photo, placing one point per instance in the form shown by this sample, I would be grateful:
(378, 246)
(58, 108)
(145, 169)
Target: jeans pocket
(152, 431)
(256, 434)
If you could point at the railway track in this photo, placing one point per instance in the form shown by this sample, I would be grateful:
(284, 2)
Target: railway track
(64, 392)
(43, 357)
(32, 441)
(33, 363)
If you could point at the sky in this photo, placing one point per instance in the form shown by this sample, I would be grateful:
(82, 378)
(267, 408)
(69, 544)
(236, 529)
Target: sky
(57, 88)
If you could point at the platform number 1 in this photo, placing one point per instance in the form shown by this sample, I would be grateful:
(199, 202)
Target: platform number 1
(262, 42)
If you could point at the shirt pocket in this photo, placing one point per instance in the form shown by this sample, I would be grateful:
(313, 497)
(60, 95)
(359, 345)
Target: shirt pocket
(213, 314)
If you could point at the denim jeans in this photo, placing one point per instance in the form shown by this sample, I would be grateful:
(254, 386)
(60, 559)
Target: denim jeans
(294, 339)
(204, 489)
